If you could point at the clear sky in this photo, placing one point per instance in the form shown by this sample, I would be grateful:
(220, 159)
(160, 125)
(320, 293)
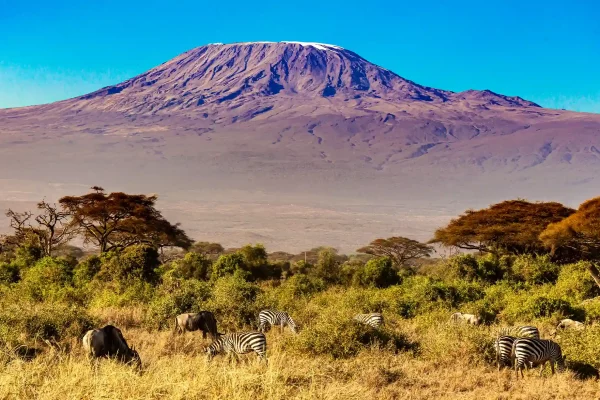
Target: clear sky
(547, 51)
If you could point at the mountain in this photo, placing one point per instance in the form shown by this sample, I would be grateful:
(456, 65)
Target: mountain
(298, 144)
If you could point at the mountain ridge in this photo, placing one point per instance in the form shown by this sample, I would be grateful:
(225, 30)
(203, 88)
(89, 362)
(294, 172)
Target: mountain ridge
(300, 123)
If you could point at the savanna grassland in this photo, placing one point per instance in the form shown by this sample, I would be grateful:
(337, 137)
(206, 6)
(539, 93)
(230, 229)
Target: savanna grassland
(51, 293)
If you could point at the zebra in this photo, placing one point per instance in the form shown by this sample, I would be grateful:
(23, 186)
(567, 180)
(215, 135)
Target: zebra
(239, 343)
(526, 331)
(275, 318)
(503, 346)
(374, 320)
(536, 352)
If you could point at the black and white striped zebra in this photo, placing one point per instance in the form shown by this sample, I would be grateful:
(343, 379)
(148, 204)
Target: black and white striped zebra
(239, 343)
(503, 346)
(525, 331)
(374, 320)
(275, 318)
(536, 352)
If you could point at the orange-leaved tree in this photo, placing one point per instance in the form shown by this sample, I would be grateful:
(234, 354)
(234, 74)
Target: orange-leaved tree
(577, 236)
(118, 220)
(513, 227)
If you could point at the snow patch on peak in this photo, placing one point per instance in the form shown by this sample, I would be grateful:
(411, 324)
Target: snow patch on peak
(320, 46)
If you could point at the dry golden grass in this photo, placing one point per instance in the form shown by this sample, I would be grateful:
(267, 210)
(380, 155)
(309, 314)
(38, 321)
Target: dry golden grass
(175, 368)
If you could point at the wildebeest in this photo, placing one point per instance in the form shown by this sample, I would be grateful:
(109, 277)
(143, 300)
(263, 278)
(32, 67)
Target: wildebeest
(204, 321)
(467, 318)
(109, 342)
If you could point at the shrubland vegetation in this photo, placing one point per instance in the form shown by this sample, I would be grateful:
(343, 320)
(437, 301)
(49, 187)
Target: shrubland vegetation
(532, 263)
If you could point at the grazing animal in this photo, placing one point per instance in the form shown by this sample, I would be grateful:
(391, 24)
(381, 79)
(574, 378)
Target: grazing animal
(536, 352)
(275, 318)
(374, 320)
(467, 318)
(583, 371)
(109, 342)
(570, 324)
(526, 331)
(239, 343)
(503, 346)
(204, 321)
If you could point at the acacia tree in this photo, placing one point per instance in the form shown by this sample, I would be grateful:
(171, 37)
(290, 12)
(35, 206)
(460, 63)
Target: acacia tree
(51, 229)
(512, 226)
(399, 249)
(118, 220)
(577, 236)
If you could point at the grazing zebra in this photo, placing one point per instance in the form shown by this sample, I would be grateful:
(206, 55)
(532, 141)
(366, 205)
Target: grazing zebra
(374, 320)
(526, 331)
(275, 318)
(239, 343)
(503, 346)
(536, 352)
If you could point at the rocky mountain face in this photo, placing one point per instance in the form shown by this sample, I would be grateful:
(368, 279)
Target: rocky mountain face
(299, 123)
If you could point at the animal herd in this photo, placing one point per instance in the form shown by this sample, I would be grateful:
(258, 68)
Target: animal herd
(108, 342)
(520, 347)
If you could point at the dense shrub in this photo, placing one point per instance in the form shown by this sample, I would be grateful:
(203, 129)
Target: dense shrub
(229, 264)
(377, 272)
(176, 297)
(86, 270)
(47, 279)
(9, 273)
(48, 321)
(488, 268)
(233, 300)
(192, 266)
(575, 282)
(534, 270)
(135, 262)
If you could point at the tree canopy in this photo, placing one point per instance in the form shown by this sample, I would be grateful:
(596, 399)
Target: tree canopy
(580, 232)
(118, 220)
(400, 250)
(512, 226)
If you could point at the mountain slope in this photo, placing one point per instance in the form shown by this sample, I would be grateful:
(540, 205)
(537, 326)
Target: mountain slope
(300, 123)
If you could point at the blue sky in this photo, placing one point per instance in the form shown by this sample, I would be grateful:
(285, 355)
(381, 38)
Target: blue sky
(545, 51)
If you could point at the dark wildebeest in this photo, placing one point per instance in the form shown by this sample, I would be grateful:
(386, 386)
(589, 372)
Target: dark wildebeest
(204, 321)
(109, 342)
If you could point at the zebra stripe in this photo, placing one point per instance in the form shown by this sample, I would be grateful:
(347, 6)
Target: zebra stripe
(526, 331)
(374, 320)
(239, 343)
(275, 318)
(536, 352)
(503, 346)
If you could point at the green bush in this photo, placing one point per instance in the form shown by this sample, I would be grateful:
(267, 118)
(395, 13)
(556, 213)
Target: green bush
(87, 270)
(47, 321)
(333, 333)
(534, 270)
(229, 264)
(530, 305)
(46, 280)
(575, 282)
(9, 273)
(176, 297)
(377, 272)
(192, 266)
(137, 262)
(487, 268)
(233, 302)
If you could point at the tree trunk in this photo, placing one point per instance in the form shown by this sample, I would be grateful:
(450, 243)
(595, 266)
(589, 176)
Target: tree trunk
(594, 272)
